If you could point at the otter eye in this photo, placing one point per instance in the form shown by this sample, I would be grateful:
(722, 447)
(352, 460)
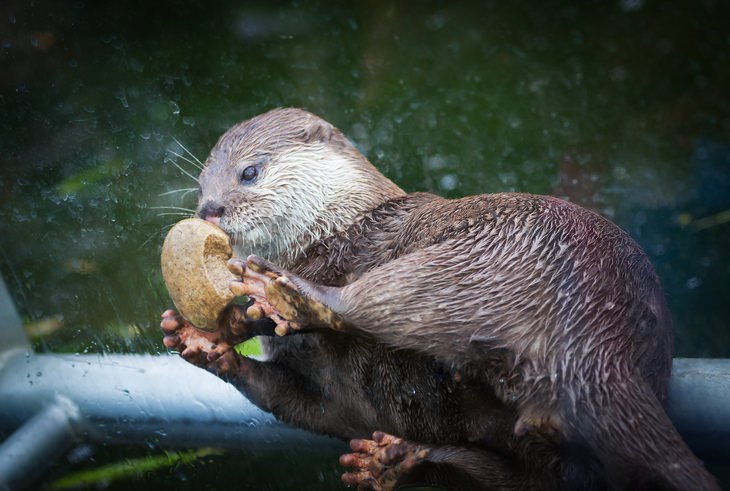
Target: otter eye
(249, 174)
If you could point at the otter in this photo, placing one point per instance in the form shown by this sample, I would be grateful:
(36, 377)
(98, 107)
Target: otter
(503, 341)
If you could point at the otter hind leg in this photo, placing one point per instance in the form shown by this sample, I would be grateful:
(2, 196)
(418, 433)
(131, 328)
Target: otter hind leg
(387, 462)
(383, 462)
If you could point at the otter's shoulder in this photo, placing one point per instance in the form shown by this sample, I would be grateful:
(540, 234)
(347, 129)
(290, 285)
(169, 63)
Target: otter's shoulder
(512, 209)
(436, 220)
(512, 218)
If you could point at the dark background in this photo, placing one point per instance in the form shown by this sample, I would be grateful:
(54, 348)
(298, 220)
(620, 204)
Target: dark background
(623, 107)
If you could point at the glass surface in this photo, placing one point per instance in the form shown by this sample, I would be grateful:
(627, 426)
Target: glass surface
(622, 107)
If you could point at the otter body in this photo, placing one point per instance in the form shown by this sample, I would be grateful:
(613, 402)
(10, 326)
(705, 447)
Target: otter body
(514, 341)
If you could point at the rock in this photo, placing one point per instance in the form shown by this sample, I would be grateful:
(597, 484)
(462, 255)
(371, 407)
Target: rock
(194, 266)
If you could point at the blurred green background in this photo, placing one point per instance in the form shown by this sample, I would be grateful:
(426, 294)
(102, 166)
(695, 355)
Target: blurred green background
(623, 107)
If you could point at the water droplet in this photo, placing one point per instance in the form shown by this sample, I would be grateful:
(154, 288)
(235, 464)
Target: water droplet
(693, 283)
(514, 121)
(448, 182)
(174, 108)
(618, 74)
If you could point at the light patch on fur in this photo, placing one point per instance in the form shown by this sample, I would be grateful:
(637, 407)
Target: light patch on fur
(307, 192)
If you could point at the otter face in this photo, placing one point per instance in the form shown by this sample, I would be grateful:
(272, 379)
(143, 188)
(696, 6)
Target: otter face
(280, 181)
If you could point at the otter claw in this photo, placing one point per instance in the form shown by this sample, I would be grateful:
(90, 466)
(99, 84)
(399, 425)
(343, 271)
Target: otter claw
(255, 312)
(238, 288)
(283, 328)
(262, 266)
(236, 266)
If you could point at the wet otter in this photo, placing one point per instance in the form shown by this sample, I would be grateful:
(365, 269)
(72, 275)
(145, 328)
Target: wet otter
(514, 341)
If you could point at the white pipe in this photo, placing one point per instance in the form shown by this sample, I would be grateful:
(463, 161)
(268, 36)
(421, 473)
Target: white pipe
(136, 398)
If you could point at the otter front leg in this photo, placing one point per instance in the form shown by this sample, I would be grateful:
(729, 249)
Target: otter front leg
(212, 350)
(235, 326)
(274, 387)
(282, 297)
(263, 383)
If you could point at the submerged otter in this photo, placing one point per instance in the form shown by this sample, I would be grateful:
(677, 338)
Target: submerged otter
(513, 341)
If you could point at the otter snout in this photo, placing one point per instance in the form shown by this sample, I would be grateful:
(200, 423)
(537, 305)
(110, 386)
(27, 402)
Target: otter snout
(212, 212)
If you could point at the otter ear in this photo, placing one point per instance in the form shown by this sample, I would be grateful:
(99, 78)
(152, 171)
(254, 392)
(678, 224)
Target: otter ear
(318, 131)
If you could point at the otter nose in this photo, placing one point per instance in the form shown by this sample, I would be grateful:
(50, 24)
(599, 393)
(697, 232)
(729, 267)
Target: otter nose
(212, 212)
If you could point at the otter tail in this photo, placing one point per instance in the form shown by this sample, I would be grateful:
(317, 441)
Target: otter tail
(631, 437)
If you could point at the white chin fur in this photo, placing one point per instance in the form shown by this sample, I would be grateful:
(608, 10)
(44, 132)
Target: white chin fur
(255, 241)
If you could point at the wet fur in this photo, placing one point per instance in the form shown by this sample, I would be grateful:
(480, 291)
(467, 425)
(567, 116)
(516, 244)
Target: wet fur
(512, 332)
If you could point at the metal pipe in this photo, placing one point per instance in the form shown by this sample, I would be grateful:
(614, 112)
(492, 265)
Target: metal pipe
(131, 399)
(699, 404)
(12, 336)
(39, 442)
(135, 398)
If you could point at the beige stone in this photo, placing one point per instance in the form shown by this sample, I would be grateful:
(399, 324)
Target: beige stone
(194, 266)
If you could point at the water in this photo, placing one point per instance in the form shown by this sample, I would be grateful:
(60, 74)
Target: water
(622, 107)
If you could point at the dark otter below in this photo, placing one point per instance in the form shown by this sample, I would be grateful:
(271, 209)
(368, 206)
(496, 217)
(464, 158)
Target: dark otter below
(515, 341)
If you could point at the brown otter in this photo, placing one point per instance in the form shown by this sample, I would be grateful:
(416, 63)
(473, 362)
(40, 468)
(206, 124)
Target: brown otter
(514, 341)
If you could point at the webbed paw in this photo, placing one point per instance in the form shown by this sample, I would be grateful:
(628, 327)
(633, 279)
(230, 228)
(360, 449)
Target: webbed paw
(380, 463)
(274, 295)
(277, 297)
(201, 348)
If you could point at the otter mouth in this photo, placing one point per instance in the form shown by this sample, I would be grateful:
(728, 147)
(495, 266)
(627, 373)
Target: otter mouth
(215, 220)
(222, 224)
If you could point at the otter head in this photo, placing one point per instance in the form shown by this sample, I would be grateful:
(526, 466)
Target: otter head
(284, 179)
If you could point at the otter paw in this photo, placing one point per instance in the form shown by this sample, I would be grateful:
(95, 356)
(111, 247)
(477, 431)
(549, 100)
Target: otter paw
(381, 463)
(274, 294)
(546, 424)
(201, 348)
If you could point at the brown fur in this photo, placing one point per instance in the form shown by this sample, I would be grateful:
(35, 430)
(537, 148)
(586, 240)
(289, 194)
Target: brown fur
(523, 339)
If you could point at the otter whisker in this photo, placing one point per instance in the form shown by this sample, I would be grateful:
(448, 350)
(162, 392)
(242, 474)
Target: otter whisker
(271, 242)
(185, 191)
(181, 208)
(258, 242)
(157, 233)
(177, 214)
(200, 164)
(194, 164)
(181, 169)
